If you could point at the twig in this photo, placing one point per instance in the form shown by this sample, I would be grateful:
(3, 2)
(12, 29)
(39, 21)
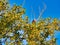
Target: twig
(23, 3)
(41, 13)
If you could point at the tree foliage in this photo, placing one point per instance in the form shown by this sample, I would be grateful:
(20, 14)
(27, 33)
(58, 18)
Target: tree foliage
(11, 22)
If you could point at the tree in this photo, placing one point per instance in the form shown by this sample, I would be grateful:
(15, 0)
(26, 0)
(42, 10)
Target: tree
(11, 22)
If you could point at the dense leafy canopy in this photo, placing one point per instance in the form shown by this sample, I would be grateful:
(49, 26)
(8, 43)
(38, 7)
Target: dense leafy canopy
(36, 32)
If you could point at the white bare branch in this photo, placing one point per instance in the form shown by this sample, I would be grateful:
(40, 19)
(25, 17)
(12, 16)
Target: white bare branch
(33, 12)
(42, 11)
(23, 3)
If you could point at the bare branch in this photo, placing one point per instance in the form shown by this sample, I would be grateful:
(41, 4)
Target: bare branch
(33, 12)
(23, 3)
(42, 11)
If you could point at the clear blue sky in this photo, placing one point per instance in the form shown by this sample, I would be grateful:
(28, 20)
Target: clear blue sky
(53, 9)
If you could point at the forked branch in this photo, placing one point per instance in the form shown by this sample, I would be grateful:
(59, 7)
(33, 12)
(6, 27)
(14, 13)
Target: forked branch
(42, 11)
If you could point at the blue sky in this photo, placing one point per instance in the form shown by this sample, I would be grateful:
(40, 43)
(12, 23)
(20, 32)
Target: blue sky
(53, 9)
